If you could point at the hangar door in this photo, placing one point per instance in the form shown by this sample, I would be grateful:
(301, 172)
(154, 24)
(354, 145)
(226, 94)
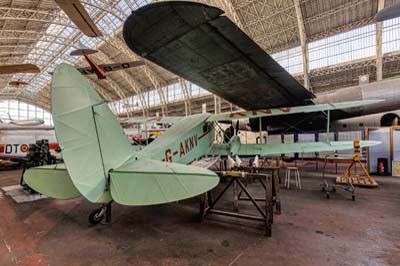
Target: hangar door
(396, 151)
(379, 151)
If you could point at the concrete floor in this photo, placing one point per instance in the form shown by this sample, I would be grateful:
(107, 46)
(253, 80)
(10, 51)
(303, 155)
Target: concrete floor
(311, 230)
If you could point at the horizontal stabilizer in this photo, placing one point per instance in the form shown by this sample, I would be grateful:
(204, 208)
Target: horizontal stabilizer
(236, 148)
(149, 182)
(52, 181)
(291, 110)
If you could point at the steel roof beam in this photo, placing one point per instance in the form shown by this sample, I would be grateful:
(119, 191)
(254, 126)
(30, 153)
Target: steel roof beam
(304, 45)
(379, 56)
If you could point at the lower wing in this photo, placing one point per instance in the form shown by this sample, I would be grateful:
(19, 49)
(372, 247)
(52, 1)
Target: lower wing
(236, 148)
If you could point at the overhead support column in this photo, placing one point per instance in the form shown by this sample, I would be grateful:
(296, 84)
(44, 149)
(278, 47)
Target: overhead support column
(303, 42)
(379, 53)
(217, 104)
(186, 96)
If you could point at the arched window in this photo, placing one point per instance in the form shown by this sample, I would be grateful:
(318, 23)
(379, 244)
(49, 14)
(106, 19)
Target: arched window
(19, 110)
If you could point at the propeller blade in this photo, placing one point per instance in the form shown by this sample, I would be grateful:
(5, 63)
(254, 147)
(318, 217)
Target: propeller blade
(256, 162)
(230, 163)
(238, 161)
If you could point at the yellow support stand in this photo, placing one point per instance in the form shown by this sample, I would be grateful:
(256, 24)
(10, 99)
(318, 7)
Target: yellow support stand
(349, 176)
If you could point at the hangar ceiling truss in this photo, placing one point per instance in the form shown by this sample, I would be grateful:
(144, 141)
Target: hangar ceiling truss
(37, 31)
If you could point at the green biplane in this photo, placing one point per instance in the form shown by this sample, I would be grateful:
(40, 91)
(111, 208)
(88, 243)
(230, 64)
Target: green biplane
(99, 162)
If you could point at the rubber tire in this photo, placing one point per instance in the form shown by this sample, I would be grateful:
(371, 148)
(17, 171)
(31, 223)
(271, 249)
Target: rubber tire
(94, 218)
(353, 198)
(327, 196)
(203, 205)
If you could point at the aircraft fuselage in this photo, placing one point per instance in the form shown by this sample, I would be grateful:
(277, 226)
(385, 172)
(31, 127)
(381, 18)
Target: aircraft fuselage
(186, 141)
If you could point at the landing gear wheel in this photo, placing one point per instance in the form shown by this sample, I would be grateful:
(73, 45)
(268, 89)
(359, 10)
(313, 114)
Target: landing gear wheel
(96, 216)
(203, 204)
(327, 195)
(353, 197)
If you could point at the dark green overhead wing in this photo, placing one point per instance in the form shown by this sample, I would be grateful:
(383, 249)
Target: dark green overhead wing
(389, 12)
(198, 43)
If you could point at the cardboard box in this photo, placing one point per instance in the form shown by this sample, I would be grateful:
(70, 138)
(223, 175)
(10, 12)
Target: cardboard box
(396, 168)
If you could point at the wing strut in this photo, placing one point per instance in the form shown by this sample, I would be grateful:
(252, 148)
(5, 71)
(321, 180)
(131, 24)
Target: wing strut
(328, 125)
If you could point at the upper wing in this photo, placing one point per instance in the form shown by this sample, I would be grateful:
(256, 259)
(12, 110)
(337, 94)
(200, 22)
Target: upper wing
(110, 67)
(141, 120)
(290, 110)
(148, 182)
(236, 148)
(198, 43)
(77, 13)
(20, 68)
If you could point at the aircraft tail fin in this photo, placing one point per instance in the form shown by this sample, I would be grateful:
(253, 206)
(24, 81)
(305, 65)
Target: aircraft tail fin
(91, 138)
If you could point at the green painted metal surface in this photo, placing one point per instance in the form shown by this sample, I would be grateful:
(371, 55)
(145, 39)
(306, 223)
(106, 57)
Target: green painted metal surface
(52, 181)
(148, 182)
(101, 165)
(184, 142)
(96, 150)
(276, 149)
(91, 139)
